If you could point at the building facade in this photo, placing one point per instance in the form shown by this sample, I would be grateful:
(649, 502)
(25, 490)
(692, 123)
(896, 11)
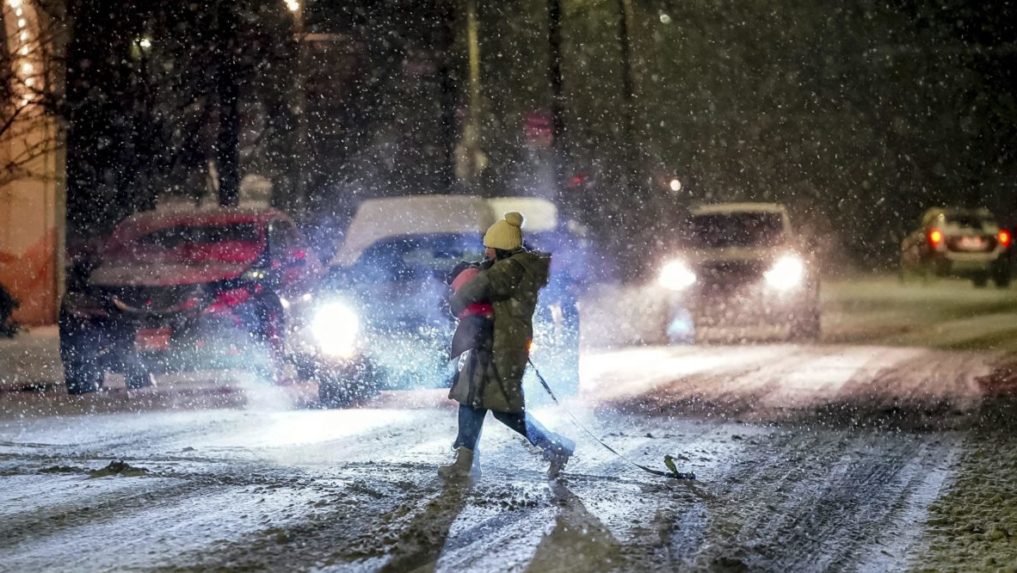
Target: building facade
(31, 160)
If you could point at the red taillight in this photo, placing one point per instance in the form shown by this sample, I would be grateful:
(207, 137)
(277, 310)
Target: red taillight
(935, 238)
(1004, 238)
(229, 299)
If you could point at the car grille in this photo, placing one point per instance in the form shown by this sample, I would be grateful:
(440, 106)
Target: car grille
(730, 274)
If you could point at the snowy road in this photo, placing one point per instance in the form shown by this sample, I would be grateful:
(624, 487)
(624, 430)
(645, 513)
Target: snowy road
(889, 447)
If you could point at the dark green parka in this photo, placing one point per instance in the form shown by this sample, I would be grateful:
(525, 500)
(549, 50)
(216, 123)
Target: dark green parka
(492, 375)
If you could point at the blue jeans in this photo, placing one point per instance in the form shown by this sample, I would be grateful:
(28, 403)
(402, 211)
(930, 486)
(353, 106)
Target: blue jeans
(471, 422)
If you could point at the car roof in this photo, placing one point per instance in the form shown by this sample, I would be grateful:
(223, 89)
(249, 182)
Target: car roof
(541, 215)
(409, 215)
(960, 211)
(147, 221)
(170, 217)
(718, 208)
(378, 219)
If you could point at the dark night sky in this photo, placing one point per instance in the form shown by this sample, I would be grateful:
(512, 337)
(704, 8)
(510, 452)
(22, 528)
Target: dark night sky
(857, 114)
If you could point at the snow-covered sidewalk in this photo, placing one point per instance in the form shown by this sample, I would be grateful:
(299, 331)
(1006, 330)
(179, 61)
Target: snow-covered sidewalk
(32, 358)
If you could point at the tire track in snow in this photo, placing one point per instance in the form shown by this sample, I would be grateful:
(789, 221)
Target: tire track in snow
(784, 383)
(830, 495)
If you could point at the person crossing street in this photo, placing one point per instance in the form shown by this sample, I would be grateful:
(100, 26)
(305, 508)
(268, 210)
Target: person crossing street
(490, 378)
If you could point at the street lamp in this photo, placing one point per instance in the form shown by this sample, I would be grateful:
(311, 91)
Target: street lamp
(297, 200)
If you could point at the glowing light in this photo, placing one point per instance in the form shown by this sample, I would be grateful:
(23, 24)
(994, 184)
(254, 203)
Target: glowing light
(22, 22)
(936, 238)
(16, 4)
(787, 273)
(24, 36)
(336, 327)
(292, 5)
(1004, 238)
(665, 18)
(27, 67)
(675, 185)
(676, 276)
(145, 43)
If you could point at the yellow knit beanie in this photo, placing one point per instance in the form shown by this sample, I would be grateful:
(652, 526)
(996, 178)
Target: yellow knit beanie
(506, 234)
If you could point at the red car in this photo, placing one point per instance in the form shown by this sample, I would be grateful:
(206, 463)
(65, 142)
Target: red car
(186, 290)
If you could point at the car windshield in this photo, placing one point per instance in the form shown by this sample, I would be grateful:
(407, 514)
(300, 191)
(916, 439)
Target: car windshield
(719, 230)
(417, 257)
(198, 243)
(969, 220)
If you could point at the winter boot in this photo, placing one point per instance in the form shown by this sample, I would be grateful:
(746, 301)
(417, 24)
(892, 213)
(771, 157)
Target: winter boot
(558, 455)
(466, 465)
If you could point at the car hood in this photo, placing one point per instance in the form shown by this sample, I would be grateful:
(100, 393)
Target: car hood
(163, 274)
(734, 254)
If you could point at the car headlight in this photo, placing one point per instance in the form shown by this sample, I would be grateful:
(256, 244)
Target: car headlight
(335, 327)
(786, 273)
(676, 276)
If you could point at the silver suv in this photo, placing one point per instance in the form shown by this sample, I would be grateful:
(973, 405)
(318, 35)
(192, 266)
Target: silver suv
(740, 264)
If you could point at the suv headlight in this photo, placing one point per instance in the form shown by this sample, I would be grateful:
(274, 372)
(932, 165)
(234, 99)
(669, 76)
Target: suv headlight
(676, 276)
(786, 273)
(335, 327)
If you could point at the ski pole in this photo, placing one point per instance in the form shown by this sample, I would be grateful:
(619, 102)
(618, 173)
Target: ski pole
(672, 472)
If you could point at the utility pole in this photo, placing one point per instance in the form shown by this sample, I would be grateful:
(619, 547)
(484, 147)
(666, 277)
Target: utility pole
(227, 148)
(449, 85)
(297, 202)
(558, 148)
(625, 18)
(630, 214)
(471, 131)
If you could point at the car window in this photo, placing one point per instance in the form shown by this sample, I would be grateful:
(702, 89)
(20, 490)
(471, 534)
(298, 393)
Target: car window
(969, 221)
(192, 243)
(719, 230)
(417, 257)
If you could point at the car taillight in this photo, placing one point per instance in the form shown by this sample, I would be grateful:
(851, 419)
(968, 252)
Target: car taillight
(228, 299)
(935, 238)
(1004, 238)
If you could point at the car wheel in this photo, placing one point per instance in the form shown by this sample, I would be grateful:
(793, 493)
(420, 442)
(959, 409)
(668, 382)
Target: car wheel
(334, 393)
(806, 326)
(981, 280)
(80, 377)
(82, 372)
(269, 362)
(1001, 277)
(137, 376)
(336, 390)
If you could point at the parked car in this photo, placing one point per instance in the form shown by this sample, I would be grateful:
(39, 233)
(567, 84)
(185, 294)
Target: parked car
(965, 243)
(741, 264)
(382, 318)
(184, 290)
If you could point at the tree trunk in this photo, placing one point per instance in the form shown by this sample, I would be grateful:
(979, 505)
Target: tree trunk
(227, 149)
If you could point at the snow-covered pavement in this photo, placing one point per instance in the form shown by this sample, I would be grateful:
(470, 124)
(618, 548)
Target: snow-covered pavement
(872, 452)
